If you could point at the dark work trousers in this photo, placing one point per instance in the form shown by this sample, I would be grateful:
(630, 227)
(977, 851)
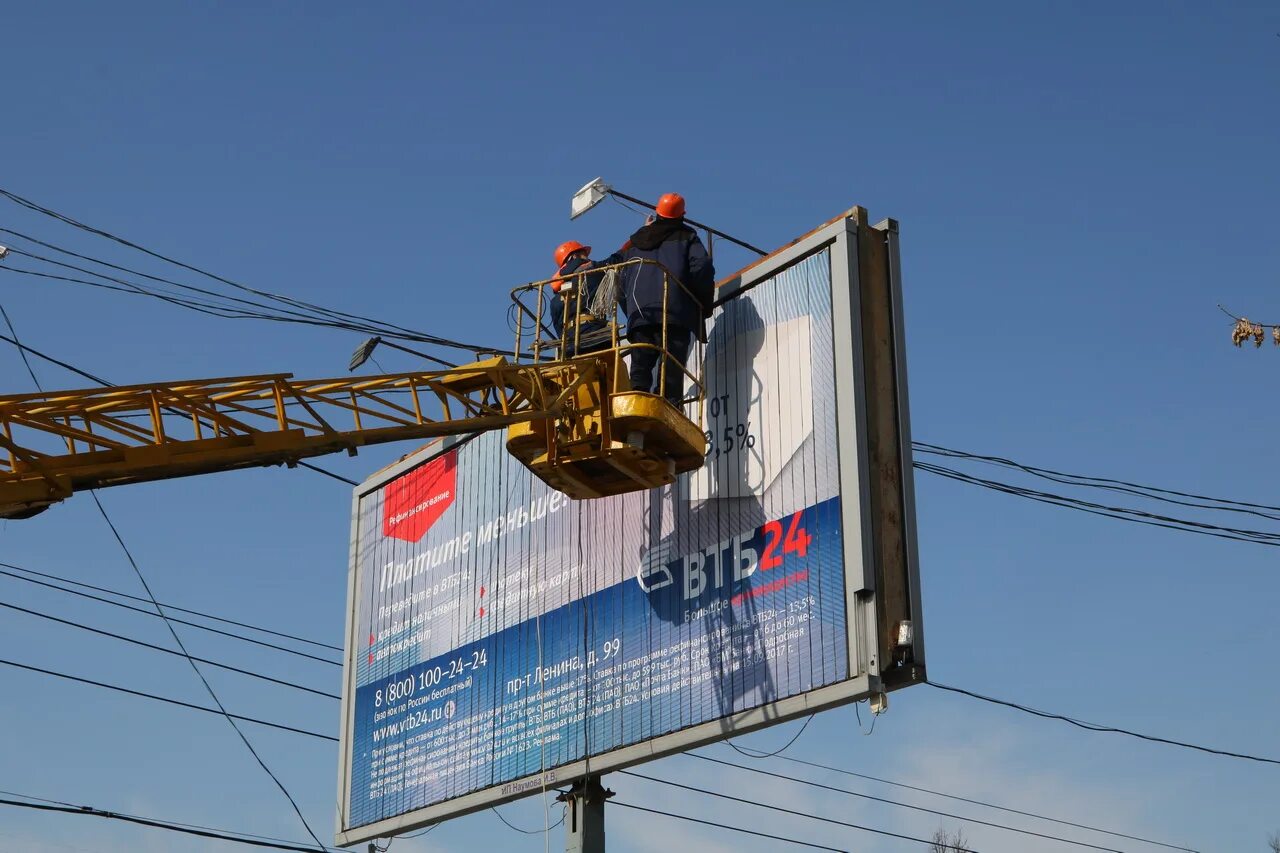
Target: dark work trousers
(644, 360)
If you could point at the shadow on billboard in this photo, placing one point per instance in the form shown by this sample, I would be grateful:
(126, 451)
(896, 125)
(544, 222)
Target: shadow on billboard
(721, 607)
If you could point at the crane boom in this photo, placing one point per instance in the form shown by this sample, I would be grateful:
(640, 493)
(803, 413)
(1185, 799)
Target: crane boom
(574, 422)
(60, 442)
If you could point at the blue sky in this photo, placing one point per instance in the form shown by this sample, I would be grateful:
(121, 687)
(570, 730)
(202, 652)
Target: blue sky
(1078, 185)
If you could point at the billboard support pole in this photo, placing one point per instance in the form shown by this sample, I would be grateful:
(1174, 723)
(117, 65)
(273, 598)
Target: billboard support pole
(584, 817)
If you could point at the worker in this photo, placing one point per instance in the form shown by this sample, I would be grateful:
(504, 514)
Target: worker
(669, 241)
(591, 333)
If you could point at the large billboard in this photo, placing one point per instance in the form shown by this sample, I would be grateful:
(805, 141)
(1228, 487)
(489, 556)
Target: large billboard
(503, 639)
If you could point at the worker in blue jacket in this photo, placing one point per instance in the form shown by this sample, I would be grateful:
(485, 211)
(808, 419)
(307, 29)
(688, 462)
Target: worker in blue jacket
(669, 241)
(591, 334)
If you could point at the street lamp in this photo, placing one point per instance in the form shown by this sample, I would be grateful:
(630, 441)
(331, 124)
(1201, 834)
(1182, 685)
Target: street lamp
(597, 191)
(365, 350)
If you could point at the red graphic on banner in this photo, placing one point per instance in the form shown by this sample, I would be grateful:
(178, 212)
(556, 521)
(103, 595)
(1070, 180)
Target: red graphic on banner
(416, 501)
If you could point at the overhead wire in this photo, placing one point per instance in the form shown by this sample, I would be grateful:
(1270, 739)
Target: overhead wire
(392, 329)
(1098, 727)
(133, 286)
(1257, 537)
(898, 804)
(213, 310)
(137, 570)
(165, 699)
(220, 835)
(729, 827)
(286, 300)
(21, 350)
(784, 810)
(104, 633)
(169, 606)
(833, 769)
(208, 687)
(209, 628)
(176, 823)
(510, 825)
(1122, 486)
(779, 751)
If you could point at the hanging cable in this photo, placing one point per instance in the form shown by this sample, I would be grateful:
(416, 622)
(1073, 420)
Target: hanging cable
(1096, 727)
(728, 827)
(832, 769)
(178, 640)
(783, 810)
(167, 825)
(208, 687)
(1258, 537)
(783, 749)
(175, 823)
(152, 646)
(164, 699)
(510, 825)
(407, 334)
(168, 606)
(1109, 484)
(154, 615)
(869, 797)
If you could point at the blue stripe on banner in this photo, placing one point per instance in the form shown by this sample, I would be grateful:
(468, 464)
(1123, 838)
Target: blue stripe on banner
(753, 619)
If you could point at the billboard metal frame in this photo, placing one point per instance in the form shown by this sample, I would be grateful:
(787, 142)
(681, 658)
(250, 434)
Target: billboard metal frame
(882, 584)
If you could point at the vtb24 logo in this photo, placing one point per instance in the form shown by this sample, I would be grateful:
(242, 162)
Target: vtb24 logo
(732, 560)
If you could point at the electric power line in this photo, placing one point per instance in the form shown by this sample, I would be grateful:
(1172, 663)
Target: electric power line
(141, 289)
(871, 798)
(1097, 727)
(168, 606)
(143, 695)
(1108, 483)
(1008, 809)
(137, 570)
(176, 823)
(729, 827)
(221, 835)
(195, 668)
(394, 330)
(783, 810)
(1257, 537)
(154, 615)
(154, 647)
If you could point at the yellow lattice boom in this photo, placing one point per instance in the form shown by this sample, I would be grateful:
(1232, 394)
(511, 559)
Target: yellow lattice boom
(574, 422)
(60, 442)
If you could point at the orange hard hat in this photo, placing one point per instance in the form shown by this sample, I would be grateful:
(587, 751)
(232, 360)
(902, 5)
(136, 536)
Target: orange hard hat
(564, 250)
(671, 206)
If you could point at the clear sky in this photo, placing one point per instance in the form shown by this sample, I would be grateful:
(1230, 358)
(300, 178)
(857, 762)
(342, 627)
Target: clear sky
(1079, 184)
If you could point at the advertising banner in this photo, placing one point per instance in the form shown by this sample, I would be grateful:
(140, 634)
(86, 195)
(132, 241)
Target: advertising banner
(501, 632)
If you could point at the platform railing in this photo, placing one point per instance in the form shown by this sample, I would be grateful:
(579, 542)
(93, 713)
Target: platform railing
(537, 340)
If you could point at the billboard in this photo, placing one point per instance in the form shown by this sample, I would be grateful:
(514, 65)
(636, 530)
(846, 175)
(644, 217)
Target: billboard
(503, 639)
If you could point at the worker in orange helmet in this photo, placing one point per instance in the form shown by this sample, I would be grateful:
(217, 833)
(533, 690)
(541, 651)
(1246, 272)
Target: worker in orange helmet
(667, 239)
(576, 291)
